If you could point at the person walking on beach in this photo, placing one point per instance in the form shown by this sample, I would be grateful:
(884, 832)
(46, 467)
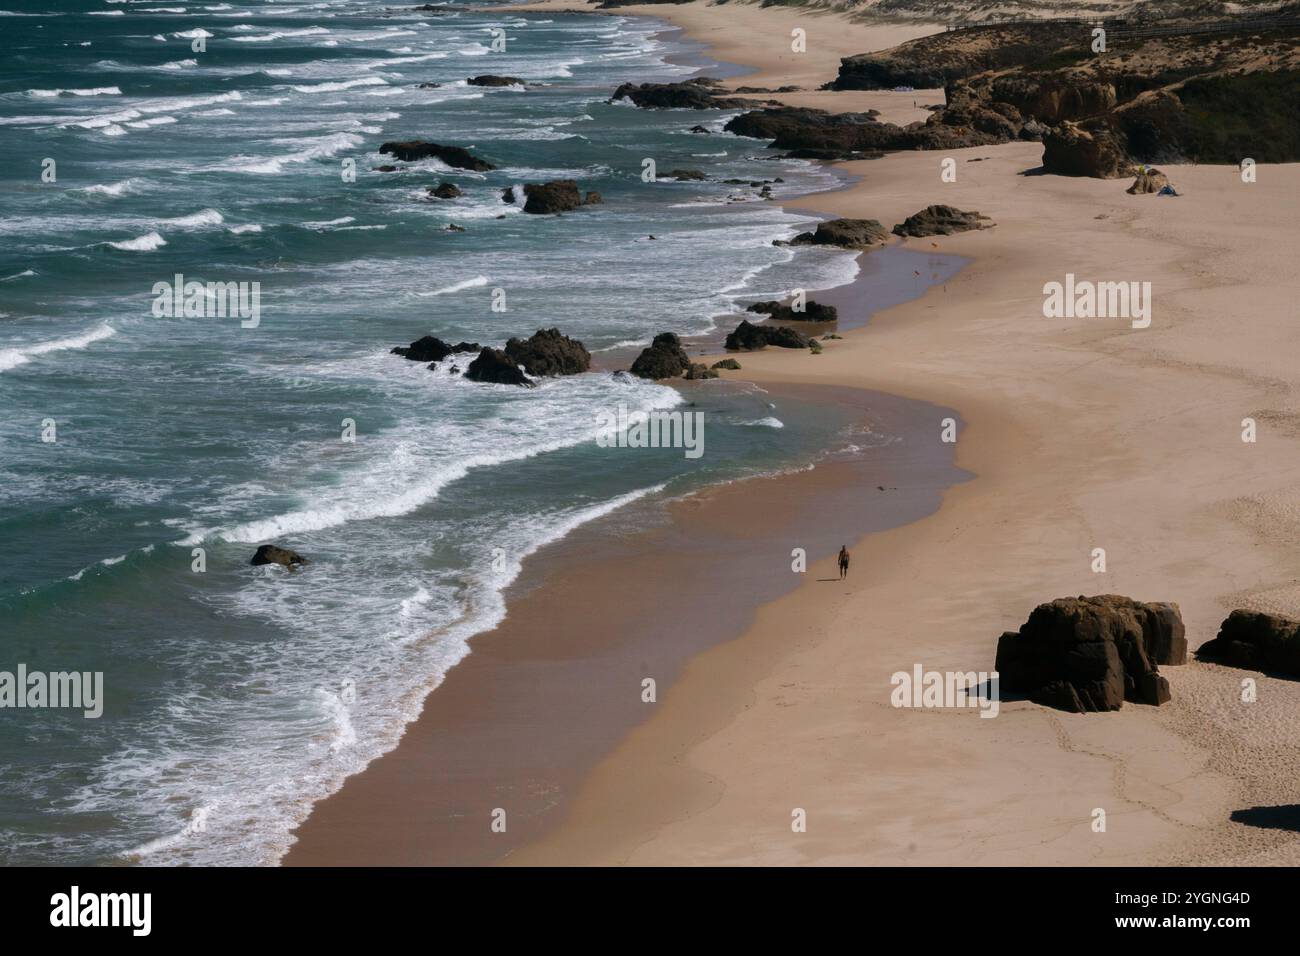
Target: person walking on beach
(844, 561)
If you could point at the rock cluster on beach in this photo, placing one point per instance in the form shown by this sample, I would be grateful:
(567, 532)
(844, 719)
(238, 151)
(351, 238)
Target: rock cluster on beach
(663, 358)
(548, 352)
(1093, 653)
(941, 221)
(1266, 642)
(413, 150)
(749, 337)
(1166, 98)
(861, 234)
(812, 311)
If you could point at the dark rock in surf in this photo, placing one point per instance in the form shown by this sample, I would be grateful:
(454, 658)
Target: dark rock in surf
(272, 554)
(415, 149)
(445, 191)
(812, 311)
(494, 366)
(548, 352)
(561, 195)
(491, 79)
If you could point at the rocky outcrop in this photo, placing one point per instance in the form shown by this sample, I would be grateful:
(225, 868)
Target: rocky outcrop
(491, 79)
(508, 195)
(749, 337)
(697, 94)
(548, 352)
(812, 311)
(1093, 653)
(684, 175)
(941, 221)
(561, 195)
(593, 198)
(697, 371)
(1148, 180)
(1088, 149)
(272, 554)
(1255, 641)
(445, 191)
(493, 365)
(430, 349)
(412, 150)
(663, 358)
(730, 364)
(847, 233)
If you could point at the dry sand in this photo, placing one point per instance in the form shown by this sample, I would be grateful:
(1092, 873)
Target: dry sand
(1083, 433)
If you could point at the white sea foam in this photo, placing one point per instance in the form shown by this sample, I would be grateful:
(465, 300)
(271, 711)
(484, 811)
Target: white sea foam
(111, 189)
(342, 85)
(476, 282)
(146, 243)
(22, 354)
(197, 220)
(247, 227)
(19, 275)
(94, 91)
(769, 422)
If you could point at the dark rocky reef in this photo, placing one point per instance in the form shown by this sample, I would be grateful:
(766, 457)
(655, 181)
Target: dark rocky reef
(700, 93)
(445, 191)
(430, 349)
(663, 358)
(749, 337)
(561, 195)
(492, 79)
(1255, 641)
(272, 554)
(548, 352)
(1093, 653)
(812, 312)
(941, 221)
(415, 149)
(493, 365)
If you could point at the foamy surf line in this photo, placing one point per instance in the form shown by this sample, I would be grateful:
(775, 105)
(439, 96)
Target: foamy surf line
(20, 355)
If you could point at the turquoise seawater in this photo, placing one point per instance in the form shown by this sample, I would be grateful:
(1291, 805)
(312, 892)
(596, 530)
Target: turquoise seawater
(236, 696)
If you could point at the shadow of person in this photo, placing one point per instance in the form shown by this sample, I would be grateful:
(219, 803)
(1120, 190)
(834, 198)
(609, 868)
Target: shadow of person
(1285, 816)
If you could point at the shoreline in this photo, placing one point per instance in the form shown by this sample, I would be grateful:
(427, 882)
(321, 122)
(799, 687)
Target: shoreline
(341, 828)
(1077, 434)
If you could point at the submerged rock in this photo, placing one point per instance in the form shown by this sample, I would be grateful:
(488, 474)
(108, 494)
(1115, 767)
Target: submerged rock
(749, 337)
(663, 358)
(491, 79)
(415, 149)
(548, 352)
(1093, 653)
(493, 365)
(273, 554)
(445, 191)
(428, 348)
(1249, 639)
(941, 221)
(686, 175)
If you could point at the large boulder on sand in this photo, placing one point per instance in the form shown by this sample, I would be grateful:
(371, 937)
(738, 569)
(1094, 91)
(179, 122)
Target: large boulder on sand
(749, 337)
(413, 150)
(493, 365)
(561, 195)
(548, 352)
(663, 358)
(1256, 641)
(271, 554)
(846, 233)
(1089, 149)
(941, 221)
(1093, 653)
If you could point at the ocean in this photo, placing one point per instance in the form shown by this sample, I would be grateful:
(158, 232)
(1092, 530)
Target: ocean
(143, 139)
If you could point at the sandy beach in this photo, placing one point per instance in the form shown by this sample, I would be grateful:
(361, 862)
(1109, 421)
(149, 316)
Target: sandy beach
(1079, 434)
